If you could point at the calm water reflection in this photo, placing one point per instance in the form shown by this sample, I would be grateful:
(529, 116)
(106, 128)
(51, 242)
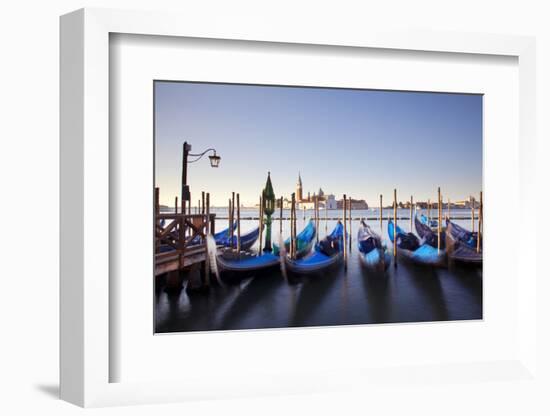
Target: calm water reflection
(408, 293)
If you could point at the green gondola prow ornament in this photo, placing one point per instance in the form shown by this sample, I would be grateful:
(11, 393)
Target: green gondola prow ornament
(269, 209)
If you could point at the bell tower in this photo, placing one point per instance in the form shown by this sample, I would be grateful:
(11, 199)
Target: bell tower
(299, 195)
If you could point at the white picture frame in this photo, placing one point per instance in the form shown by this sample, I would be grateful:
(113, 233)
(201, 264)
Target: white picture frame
(85, 169)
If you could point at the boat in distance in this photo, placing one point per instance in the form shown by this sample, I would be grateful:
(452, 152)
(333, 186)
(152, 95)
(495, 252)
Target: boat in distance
(372, 251)
(327, 253)
(304, 241)
(410, 247)
(462, 244)
(429, 222)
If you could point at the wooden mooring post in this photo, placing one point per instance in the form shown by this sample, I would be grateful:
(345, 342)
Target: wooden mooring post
(239, 223)
(230, 224)
(439, 219)
(473, 203)
(206, 279)
(261, 223)
(350, 222)
(291, 219)
(293, 226)
(411, 213)
(317, 226)
(281, 222)
(231, 230)
(480, 222)
(326, 218)
(157, 219)
(395, 228)
(381, 210)
(345, 241)
(316, 216)
(314, 209)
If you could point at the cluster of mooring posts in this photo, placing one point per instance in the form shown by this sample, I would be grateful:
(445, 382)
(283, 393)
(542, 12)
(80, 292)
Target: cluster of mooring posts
(180, 243)
(181, 237)
(439, 207)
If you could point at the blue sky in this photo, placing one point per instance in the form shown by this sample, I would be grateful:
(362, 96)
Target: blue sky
(359, 142)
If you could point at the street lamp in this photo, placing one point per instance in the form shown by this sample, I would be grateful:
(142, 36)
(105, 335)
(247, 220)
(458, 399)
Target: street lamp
(214, 162)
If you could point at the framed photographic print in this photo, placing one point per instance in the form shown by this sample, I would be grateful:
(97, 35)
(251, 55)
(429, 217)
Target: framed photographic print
(266, 212)
(277, 252)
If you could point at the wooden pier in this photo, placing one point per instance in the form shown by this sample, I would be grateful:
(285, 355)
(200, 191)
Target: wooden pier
(181, 242)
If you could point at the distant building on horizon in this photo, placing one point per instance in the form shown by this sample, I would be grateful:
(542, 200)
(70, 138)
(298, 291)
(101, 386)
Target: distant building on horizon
(355, 204)
(324, 201)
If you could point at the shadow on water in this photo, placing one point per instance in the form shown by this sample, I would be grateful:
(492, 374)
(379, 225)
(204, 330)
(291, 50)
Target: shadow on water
(254, 301)
(427, 282)
(313, 290)
(169, 311)
(465, 284)
(408, 293)
(376, 289)
(469, 277)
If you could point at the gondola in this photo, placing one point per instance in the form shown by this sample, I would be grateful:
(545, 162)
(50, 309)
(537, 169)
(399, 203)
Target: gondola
(430, 223)
(462, 244)
(247, 240)
(231, 261)
(304, 241)
(327, 253)
(410, 247)
(428, 234)
(223, 235)
(372, 250)
(221, 239)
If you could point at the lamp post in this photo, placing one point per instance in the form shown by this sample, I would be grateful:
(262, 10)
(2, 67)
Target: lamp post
(269, 209)
(214, 162)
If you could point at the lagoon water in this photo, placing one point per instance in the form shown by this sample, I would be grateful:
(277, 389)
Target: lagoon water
(407, 293)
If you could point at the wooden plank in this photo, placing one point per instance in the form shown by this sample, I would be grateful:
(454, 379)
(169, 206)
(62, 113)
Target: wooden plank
(170, 266)
(171, 255)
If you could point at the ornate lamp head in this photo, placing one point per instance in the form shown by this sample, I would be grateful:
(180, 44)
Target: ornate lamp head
(214, 160)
